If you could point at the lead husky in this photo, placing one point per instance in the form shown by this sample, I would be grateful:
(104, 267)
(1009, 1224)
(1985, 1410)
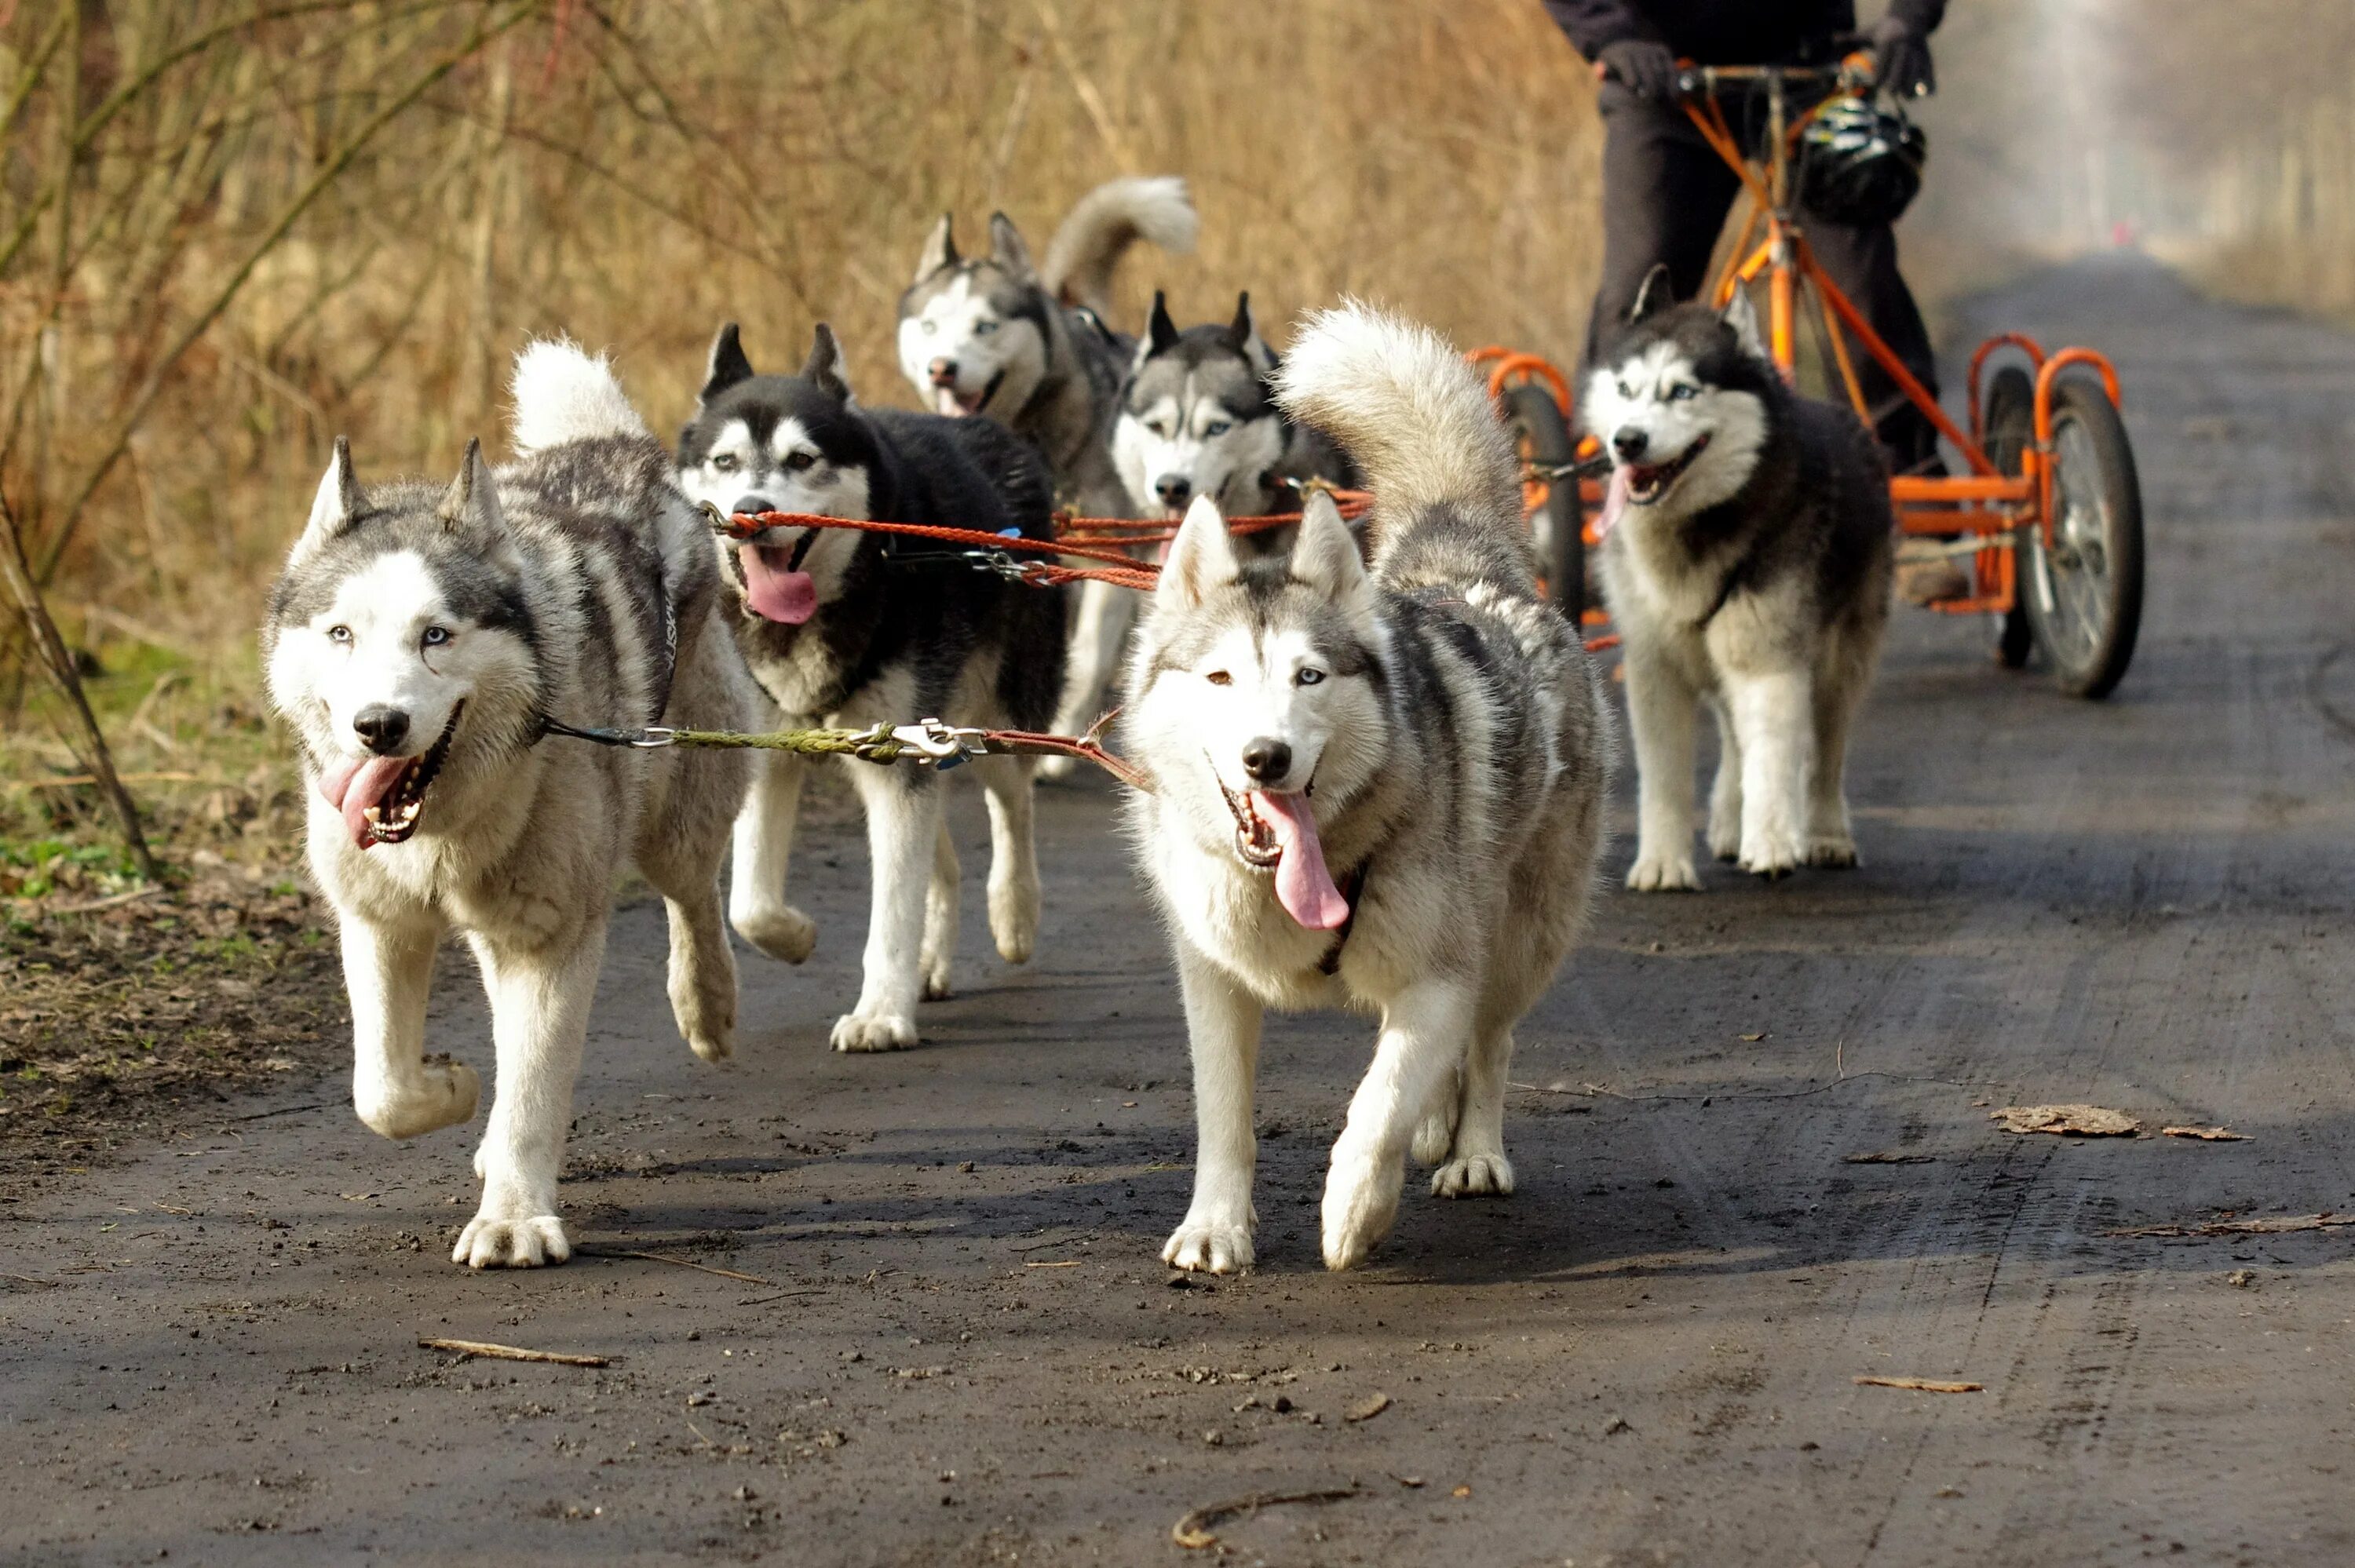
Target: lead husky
(417, 639)
(1382, 790)
(1199, 416)
(1746, 558)
(850, 628)
(1028, 345)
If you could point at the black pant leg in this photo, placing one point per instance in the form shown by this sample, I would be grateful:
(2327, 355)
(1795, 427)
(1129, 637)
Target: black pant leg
(1863, 263)
(1664, 197)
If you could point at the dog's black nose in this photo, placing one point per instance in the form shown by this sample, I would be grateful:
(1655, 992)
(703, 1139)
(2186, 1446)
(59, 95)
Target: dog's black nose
(1629, 442)
(1267, 759)
(752, 505)
(382, 728)
(1175, 489)
(943, 372)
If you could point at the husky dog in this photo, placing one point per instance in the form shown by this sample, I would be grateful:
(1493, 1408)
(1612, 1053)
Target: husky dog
(417, 642)
(1197, 417)
(1381, 789)
(1746, 558)
(843, 627)
(1028, 346)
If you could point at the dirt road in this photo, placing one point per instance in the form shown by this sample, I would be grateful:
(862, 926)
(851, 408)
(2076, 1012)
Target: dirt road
(962, 1348)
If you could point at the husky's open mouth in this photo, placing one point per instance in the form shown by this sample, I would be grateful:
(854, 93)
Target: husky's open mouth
(383, 797)
(956, 405)
(1646, 484)
(1276, 831)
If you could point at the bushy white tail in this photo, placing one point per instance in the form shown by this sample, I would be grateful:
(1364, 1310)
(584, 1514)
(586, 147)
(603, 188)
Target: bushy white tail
(1102, 226)
(563, 394)
(1407, 408)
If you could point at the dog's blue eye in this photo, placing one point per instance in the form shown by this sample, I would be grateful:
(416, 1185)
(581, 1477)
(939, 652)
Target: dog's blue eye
(982, 329)
(1683, 394)
(928, 328)
(724, 463)
(436, 635)
(339, 634)
(1217, 428)
(1625, 390)
(1310, 676)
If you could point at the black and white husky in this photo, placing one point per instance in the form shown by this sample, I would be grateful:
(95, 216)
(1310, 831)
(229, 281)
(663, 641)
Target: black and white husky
(417, 641)
(1375, 788)
(1199, 418)
(1747, 561)
(852, 628)
(1030, 345)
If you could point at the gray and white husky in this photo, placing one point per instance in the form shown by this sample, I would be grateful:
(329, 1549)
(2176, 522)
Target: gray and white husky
(1199, 418)
(1029, 347)
(416, 641)
(1747, 562)
(853, 628)
(1379, 789)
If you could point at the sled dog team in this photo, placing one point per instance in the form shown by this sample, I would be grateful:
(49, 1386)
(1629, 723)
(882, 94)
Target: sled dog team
(1377, 766)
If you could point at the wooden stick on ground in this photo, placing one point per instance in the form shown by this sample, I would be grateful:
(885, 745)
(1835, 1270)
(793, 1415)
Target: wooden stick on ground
(674, 1262)
(1194, 1532)
(1919, 1384)
(512, 1354)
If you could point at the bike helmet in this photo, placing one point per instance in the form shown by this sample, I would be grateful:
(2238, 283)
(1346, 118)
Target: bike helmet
(1860, 163)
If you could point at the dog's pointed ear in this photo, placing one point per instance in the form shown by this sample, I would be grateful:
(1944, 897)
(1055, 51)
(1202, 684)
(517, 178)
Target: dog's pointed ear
(1160, 331)
(1324, 555)
(728, 365)
(338, 504)
(1006, 249)
(1201, 557)
(472, 498)
(1743, 317)
(940, 252)
(1655, 296)
(825, 364)
(1243, 332)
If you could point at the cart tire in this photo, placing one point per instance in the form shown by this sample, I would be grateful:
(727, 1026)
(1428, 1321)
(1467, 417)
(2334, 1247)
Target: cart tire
(1542, 438)
(2085, 597)
(2008, 424)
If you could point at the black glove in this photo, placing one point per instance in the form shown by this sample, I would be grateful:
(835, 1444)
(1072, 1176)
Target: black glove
(1902, 59)
(1646, 68)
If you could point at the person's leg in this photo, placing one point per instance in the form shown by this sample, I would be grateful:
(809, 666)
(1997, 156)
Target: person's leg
(1863, 263)
(1665, 196)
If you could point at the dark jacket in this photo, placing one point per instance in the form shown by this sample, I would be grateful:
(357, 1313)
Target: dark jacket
(1727, 32)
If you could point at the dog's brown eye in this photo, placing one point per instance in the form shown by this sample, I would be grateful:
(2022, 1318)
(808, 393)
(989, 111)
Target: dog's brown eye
(1219, 678)
(797, 462)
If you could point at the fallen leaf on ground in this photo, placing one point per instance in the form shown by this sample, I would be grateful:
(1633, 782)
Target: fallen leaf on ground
(2084, 1121)
(1366, 1409)
(2206, 1134)
(1884, 1157)
(1754, 1038)
(1193, 1533)
(1919, 1384)
(1464, 1491)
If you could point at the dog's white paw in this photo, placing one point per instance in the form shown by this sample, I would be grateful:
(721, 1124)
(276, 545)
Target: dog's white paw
(934, 967)
(874, 1032)
(1725, 835)
(1663, 874)
(491, 1241)
(1475, 1176)
(1832, 850)
(444, 1096)
(1771, 853)
(779, 930)
(1433, 1138)
(1361, 1199)
(1014, 919)
(1210, 1244)
(712, 1044)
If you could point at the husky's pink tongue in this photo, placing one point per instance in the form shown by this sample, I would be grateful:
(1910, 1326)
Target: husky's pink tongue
(1615, 505)
(353, 787)
(774, 593)
(1302, 885)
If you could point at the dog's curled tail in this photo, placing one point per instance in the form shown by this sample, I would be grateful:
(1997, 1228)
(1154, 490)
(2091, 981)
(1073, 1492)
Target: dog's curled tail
(562, 393)
(1417, 419)
(1105, 222)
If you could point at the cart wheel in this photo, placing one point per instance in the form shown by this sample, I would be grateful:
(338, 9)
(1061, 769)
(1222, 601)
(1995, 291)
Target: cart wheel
(2085, 595)
(2009, 425)
(1543, 440)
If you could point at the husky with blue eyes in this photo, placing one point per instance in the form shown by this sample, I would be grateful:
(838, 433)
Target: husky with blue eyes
(1375, 786)
(1747, 558)
(419, 642)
